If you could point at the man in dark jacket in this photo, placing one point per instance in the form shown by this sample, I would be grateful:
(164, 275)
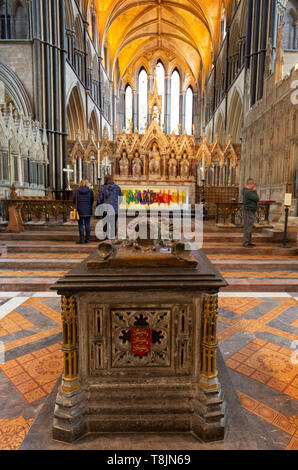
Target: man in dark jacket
(83, 200)
(110, 193)
(250, 207)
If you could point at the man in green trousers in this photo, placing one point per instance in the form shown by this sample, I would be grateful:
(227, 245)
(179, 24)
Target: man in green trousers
(250, 207)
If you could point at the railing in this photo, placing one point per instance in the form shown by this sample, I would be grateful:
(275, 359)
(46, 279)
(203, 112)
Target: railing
(216, 194)
(233, 211)
(37, 210)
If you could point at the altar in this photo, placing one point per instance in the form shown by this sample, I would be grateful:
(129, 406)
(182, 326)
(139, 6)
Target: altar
(139, 344)
(163, 197)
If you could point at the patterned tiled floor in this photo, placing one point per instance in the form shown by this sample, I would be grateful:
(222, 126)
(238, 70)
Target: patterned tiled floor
(46, 256)
(252, 274)
(256, 334)
(28, 273)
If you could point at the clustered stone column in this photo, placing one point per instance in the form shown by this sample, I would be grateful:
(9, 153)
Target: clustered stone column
(208, 420)
(70, 412)
(208, 337)
(69, 344)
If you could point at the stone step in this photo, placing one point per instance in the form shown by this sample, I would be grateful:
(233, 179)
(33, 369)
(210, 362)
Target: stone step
(132, 408)
(50, 248)
(26, 284)
(266, 249)
(256, 265)
(278, 235)
(73, 227)
(39, 284)
(12, 247)
(222, 265)
(71, 237)
(40, 263)
(261, 285)
(178, 423)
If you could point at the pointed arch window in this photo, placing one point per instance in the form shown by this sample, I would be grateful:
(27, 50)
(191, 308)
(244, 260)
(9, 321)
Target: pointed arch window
(223, 23)
(5, 22)
(160, 75)
(143, 100)
(128, 107)
(189, 111)
(175, 101)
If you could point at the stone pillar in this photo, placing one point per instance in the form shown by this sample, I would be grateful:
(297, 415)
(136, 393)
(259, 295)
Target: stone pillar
(150, 86)
(255, 48)
(134, 109)
(182, 110)
(248, 33)
(195, 114)
(47, 91)
(122, 110)
(150, 83)
(70, 380)
(63, 57)
(208, 419)
(263, 49)
(69, 413)
(167, 104)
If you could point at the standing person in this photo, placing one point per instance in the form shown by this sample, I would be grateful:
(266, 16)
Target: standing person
(250, 207)
(110, 193)
(83, 199)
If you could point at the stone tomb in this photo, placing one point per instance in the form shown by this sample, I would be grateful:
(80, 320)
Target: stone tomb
(139, 343)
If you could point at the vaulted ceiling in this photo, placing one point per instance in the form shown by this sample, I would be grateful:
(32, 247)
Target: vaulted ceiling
(188, 28)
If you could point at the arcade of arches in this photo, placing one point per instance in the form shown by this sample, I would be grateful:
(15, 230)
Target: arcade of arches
(224, 73)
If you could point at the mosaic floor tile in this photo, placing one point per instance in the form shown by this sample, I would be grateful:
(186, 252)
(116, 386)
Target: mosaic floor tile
(46, 256)
(255, 338)
(27, 273)
(12, 323)
(288, 424)
(267, 364)
(238, 306)
(39, 305)
(38, 371)
(12, 432)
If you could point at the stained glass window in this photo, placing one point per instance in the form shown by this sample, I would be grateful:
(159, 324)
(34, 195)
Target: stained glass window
(128, 107)
(189, 110)
(175, 101)
(160, 75)
(143, 100)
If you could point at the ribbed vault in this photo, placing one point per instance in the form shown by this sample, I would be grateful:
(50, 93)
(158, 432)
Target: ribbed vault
(130, 28)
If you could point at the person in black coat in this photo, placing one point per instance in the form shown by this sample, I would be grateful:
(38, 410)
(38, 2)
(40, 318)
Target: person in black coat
(83, 200)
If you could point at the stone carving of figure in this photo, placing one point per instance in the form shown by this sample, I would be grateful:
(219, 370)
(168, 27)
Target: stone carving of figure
(173, 166)
(124, 165)
(184, 167)
(154, 163)
(137, 166)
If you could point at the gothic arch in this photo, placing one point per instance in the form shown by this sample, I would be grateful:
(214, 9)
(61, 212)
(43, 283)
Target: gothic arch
(17, 11)
(79, 35)
(235, 117)
(243, 17)
(69, 16)
(16, 90)
(93, 124)
(208, 134)
(76, 114)
(220, 127)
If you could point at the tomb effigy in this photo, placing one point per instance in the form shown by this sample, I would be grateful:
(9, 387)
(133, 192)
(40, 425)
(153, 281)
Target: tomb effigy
(139, 343)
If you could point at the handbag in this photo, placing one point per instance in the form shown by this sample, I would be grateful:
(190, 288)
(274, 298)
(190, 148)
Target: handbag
(74, 215)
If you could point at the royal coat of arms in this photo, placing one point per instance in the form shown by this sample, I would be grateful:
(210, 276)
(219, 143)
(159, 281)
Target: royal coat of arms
(141, 338)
